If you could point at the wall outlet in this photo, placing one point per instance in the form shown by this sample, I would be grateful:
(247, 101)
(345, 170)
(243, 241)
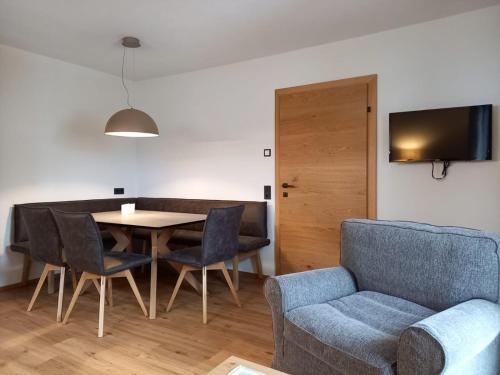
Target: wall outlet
(119, 191)
(267, 152)
(267, 192)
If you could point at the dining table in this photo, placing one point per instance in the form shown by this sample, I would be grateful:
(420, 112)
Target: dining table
(161, 225)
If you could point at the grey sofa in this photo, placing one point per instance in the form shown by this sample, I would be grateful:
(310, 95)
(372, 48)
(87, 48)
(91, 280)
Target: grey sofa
(408, 298)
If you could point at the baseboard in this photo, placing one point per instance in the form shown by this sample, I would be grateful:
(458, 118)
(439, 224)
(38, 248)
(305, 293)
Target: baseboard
(18, 285)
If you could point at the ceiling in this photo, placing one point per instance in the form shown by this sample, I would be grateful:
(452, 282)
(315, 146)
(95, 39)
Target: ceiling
(185, 35)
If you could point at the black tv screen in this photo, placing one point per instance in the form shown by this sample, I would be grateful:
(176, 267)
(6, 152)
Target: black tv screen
(460, 133)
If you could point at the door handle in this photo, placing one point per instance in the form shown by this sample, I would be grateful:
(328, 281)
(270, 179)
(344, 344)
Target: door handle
(285, 185)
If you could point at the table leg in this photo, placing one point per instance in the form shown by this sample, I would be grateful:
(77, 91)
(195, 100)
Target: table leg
(122, 238)
(159, 240)
(163, 249)
(154, 271)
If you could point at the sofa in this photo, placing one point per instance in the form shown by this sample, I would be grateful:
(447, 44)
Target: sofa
(407, 298)
(253, 230)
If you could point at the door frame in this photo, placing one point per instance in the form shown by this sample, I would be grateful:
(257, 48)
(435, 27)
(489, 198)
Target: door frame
(371, 82)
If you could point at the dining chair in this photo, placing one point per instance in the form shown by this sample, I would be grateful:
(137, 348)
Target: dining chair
(45, 246)
(84, 252)
(219, 244)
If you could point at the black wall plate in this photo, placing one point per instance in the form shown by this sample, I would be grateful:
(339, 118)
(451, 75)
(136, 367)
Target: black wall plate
(119, 191)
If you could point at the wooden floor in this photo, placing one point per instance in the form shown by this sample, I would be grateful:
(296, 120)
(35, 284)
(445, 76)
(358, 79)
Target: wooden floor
(174, 343)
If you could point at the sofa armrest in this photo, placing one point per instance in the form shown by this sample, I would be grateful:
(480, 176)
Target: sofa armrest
(456, 340)
(287, 292)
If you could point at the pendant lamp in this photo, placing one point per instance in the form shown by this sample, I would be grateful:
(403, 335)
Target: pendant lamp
(130, 122)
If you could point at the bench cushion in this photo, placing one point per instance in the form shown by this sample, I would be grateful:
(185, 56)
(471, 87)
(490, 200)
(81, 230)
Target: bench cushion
(249, 243)
(358, 333)
(186, 237)
(21, 247)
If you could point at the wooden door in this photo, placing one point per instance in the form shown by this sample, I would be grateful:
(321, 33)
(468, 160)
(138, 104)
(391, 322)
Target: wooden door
(325, 168)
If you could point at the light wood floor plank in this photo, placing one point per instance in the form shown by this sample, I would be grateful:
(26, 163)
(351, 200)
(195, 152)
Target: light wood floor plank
(174, 343)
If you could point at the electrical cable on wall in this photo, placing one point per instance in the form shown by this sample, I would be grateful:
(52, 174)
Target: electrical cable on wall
(444, 171)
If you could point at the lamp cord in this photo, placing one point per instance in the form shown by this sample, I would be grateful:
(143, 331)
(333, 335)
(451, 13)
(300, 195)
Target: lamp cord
(444, 172)
(123, 80)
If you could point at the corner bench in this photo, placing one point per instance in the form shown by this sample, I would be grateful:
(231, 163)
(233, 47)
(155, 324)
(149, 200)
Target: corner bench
(253, 230)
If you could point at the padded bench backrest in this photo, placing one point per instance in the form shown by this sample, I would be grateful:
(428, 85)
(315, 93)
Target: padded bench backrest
(437, 267)
(253, 221)
(92, 205)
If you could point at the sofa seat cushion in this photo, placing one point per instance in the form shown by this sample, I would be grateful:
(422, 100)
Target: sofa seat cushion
(21, 247)
(357, 334)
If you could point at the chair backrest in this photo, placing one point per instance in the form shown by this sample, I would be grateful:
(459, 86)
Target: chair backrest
(220, 234)
(45, 243)
(82, 241)
(437, 267)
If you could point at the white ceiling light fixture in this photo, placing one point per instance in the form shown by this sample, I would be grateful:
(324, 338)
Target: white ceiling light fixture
(130, 122)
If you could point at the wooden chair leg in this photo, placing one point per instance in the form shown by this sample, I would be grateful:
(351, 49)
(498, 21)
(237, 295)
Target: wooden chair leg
(98, 288)
(110, 292)
(61, 294)
(230, 284)
(204, 293)
(26, 269)
(133, 285)
(257, 264)
(236, 272)
(76, 294)
(51, 283)
(102, 300)
(177, 286)
(45, 272)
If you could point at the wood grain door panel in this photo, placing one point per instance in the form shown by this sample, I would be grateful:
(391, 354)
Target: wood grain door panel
(322, 145)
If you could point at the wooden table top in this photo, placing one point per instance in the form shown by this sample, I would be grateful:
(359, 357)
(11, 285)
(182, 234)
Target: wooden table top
(148, 219)
(232, 362)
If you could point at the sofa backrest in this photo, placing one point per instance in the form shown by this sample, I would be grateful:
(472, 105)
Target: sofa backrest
(253, 221)
(91, 205)
(437, 267)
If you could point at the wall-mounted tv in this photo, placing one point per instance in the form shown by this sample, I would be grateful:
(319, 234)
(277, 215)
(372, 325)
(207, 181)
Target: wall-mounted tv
(448, 134)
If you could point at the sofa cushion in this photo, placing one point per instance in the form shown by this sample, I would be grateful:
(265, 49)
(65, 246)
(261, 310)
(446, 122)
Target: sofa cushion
(21, 247)
(437, 267)
(358, 333)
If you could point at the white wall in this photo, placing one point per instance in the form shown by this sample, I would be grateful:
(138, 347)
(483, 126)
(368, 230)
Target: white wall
(215, 123)
(52, 146)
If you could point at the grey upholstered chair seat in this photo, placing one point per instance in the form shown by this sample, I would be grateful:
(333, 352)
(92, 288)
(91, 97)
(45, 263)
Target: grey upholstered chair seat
(359, 332)
(120, 261)
(190, 256)
(21, 247)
